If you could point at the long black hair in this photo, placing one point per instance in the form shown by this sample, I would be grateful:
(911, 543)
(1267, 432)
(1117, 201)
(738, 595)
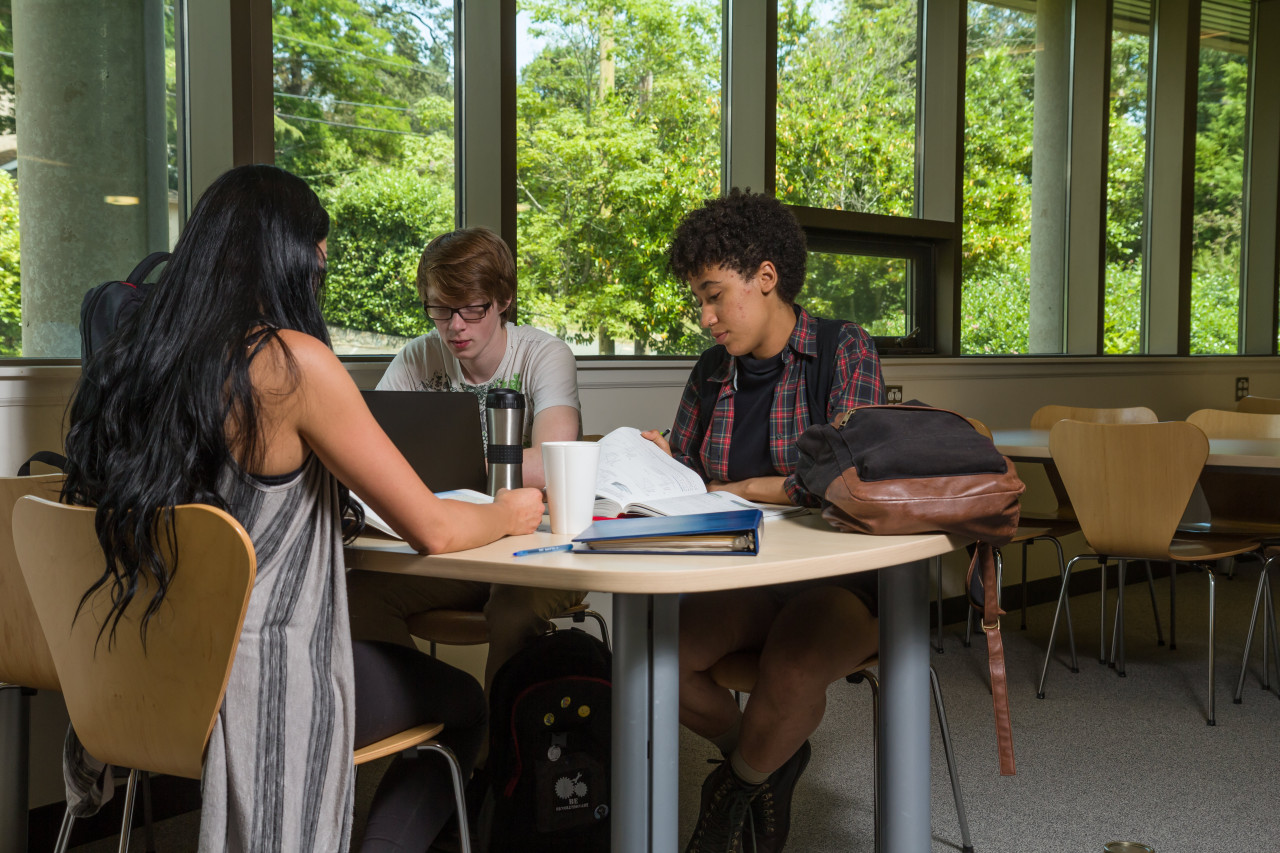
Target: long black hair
(154, 406)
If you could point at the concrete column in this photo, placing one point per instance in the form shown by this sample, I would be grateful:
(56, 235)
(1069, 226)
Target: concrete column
(84, 189)
(1050, 145)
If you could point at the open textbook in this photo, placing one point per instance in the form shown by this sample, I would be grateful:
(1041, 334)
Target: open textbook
(636, 477)
(373, 521)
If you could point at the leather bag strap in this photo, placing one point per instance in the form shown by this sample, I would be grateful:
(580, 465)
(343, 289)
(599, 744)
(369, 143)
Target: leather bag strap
(984, 560)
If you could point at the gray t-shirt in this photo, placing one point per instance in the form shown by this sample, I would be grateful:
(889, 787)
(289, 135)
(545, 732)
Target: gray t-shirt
(536, 364)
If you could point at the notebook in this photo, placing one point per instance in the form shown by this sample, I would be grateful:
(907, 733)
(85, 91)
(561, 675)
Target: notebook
(734, 532)
(438, 432)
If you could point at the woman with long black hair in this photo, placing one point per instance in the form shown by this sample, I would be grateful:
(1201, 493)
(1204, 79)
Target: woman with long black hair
(223, 390)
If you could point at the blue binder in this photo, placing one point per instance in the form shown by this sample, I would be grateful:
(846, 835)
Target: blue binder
(734, 532)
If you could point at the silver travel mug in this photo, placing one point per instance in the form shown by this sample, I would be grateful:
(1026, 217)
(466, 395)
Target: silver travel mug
(504, 420)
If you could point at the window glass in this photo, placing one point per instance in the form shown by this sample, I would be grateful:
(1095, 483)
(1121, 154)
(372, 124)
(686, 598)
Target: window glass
(1126, 175)
(617, 136)
(89, 155)
(364, 111)
(1221, 115)
(871, 291)
(846, 108)
(999, 88)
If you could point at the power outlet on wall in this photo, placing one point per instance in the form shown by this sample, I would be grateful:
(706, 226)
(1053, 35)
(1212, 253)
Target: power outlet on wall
(1242, 387)
(893, 393)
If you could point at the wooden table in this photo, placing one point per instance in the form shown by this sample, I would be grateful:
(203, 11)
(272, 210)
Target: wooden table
(1257, 455)
(645, 634)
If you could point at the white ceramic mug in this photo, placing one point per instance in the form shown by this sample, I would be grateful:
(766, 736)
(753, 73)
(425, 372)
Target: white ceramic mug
(570, 470)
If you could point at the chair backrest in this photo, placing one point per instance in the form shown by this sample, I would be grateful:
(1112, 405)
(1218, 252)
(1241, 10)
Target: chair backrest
(1046, 416)
(980, 427)
(1129, 483)
(149, 708)
(24, 655)
(1259, 405)
(1220, 423)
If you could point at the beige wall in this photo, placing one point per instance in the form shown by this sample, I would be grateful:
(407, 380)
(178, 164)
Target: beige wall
(1001, 392)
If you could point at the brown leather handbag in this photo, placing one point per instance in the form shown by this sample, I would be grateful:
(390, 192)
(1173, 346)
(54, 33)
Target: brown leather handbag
(915, 469)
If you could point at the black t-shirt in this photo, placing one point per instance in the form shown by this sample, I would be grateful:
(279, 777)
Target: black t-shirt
(749, 445)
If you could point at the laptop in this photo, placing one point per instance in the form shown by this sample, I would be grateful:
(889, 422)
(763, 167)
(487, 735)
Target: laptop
(438, 432)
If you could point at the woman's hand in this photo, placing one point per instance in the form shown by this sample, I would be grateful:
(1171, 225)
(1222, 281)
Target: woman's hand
(657, 438)
(523, 506)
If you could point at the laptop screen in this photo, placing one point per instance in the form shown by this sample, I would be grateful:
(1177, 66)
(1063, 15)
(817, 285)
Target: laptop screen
(438, 432)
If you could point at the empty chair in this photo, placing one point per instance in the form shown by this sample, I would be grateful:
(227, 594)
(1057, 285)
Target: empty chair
(1259, 405)
(738, 671)
(470, 628)
(1063, 517)
(1129, 485)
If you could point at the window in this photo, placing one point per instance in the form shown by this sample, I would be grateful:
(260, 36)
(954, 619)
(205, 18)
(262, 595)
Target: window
(998, 117)
(364, 111)
(1126, 176)
(1221, 122)
(846, 116)
(89, 150)
(618, 135)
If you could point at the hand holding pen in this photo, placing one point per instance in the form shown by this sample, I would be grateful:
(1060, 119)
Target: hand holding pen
(658, 438)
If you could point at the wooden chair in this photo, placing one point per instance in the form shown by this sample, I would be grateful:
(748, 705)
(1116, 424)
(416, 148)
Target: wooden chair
(738, 672)
(1062, 519)
(25, 662)
(470, 628)
(1129, 484)
(1242, 503)
(1259, 405)
(121, 695)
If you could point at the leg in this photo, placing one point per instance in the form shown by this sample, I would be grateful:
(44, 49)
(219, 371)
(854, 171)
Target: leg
(1173, 606)
(396, 689)
(517, 614)
(951, 761)
(1155, 611)
(1053, 630)
(1212, 610)
(818, 637)
(937, 576)
(15, 729)
(712, 625)
(1102, 612)
(381, 603)
(1023, 626)
(1248, 637)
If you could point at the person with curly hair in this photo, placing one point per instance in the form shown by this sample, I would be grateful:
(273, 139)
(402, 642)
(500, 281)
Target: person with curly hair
(746, 402)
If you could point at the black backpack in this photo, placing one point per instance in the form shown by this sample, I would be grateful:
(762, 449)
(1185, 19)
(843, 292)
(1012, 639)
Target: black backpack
(106, 307)
(550, 709)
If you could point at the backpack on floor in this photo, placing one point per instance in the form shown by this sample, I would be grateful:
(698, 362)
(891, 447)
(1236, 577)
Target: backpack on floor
(549, 741)
(912, 468)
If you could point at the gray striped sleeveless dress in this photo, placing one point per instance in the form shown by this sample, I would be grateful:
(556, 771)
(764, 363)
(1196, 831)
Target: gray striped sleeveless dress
(278, 774)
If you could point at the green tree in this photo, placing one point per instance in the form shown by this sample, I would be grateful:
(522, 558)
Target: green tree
(10, 287)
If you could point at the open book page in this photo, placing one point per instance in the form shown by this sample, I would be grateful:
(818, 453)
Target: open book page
(374, 521)
(633, 469)
(709, 502)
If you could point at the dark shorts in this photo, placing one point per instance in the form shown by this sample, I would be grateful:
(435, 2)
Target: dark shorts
(865, 585)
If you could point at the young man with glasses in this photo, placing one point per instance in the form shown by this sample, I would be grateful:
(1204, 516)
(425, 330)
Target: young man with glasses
(467, 282)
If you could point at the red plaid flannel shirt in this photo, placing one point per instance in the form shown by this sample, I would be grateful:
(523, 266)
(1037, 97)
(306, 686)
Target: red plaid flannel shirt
(856, 381)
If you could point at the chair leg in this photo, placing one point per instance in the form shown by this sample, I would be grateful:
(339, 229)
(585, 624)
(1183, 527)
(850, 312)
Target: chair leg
(1117, 630)
(1155, 611)
(604, 628)
(64, 832)
(459, 787)
(1258, 599)
(1275, 638)
(967, 845)
(1212, 611)
(147, 823)
(1023, 625)
(1102, 613)
(1173, 606)
(126, 824)
(1053, 631)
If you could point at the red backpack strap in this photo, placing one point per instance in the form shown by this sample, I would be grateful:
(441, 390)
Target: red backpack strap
(984, 560)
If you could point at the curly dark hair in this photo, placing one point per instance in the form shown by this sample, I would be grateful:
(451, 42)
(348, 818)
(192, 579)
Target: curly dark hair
(741, 231)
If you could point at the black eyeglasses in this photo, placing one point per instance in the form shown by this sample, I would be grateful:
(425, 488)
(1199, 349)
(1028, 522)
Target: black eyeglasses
(470, 313)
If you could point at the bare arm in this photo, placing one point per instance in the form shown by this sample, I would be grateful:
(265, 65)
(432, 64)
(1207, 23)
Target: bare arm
(326, 413)
(556, 423)
(768, 490)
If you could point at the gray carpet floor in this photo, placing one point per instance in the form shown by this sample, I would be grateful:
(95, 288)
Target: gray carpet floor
(1101, 758)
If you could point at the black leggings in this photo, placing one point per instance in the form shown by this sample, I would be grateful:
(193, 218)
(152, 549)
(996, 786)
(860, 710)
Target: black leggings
(398, 688)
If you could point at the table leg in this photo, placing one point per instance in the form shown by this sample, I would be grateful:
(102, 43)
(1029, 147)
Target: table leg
(14, 729)
(904, 717)
(646, 733)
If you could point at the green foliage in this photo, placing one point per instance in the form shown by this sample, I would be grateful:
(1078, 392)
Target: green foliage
(10, 291)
